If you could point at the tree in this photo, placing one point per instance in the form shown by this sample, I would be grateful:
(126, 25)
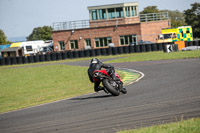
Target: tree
(177, 18)
(150, 9)
(40, 33)
(3, 38)
(192, 17)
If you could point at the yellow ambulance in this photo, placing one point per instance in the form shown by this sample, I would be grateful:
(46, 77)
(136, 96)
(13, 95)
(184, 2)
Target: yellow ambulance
(183, 33)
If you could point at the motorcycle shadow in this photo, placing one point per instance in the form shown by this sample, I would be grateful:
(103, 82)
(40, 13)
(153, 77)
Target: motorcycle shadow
(91, 97)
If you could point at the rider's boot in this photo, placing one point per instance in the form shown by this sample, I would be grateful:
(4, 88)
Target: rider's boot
(123, 89)
(102, 88)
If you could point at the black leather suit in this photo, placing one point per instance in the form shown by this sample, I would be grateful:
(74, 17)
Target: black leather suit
(98, 66)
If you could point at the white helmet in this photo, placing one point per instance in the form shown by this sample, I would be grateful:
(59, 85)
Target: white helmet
(94, 61)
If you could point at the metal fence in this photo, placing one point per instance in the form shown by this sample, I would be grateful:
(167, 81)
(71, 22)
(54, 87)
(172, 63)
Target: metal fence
(81, 24)
(153, 17)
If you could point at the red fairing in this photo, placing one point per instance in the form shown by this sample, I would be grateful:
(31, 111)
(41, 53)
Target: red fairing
(102, 71)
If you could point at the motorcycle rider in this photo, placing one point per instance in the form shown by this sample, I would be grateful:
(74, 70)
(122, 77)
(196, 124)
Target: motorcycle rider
(97, 65)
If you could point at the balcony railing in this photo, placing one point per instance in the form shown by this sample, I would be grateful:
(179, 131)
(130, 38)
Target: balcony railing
(153, 17)
(81, 24)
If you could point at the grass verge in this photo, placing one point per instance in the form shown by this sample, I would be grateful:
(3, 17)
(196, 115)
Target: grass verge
(29, 86)
(157, 56)
(184, 126)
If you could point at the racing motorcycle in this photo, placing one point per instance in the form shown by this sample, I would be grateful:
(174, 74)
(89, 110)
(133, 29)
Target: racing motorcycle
(112, 86)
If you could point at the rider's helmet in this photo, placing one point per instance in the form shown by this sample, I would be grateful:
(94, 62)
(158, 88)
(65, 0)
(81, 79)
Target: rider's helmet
(94, 61)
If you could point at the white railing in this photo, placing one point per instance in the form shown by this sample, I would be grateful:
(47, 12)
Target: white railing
(81, 24)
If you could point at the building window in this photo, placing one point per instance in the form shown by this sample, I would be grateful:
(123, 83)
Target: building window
(102, 13)
(102, 42)
(62, 45)
(134, 11)
(128, 13)
(111, 13)
(74, 44)
(29, 48)
(119, 13)
(128, 40)
(88, 42)
(93, 14)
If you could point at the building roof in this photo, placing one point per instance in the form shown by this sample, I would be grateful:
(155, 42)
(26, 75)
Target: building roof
(16, 44)
(112, 5)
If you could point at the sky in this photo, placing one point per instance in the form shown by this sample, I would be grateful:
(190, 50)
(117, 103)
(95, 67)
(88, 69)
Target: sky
(18, 18)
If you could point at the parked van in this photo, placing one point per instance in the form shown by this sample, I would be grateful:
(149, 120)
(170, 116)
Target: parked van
(32, 47)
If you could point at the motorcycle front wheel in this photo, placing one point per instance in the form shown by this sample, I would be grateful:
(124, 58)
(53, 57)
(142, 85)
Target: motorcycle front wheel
(110, 88)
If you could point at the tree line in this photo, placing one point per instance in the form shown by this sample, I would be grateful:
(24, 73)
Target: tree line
(190, 17)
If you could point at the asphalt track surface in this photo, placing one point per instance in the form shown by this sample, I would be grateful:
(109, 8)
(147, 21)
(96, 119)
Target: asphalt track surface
(169, 91)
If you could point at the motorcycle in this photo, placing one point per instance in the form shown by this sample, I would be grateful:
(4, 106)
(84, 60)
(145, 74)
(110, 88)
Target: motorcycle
(112, 86)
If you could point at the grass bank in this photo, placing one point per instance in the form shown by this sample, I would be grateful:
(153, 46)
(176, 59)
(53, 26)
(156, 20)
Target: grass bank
(184, 126)
(25, 87)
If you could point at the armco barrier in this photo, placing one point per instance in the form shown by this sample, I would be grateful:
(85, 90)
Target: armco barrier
(109, 51)
(47, 57)
(142, 48)
(13, 60)
(69, 54)
(153, 47)
(75, 54)
(131, 49)
(31, 59)
(42, 58)
(103, 51)
(137, 48)
(25, 60)
(114, 51)
(148, 47)
(58, 56)
(197, 43)
(53, 56)
(186, 43)
(19, 60)
(87, 53)
(36, 58)
(92, 53)
(159, 46)
(98, 52)
(81, 53)
(2, 61)
(126, 49)
(8, 61)
(120, 50)
(64, 55)
(191, 43)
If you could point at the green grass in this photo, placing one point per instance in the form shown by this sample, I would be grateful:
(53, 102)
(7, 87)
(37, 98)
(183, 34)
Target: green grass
(25, 87)
(157, 56)
(184, 126)
(29, 86)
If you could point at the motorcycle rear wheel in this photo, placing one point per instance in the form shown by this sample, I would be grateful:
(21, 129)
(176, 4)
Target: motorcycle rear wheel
(110, 88)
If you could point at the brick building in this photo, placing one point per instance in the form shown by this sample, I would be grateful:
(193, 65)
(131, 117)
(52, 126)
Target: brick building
(120, 24)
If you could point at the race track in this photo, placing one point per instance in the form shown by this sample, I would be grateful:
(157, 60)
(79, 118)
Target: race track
(169, 91)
